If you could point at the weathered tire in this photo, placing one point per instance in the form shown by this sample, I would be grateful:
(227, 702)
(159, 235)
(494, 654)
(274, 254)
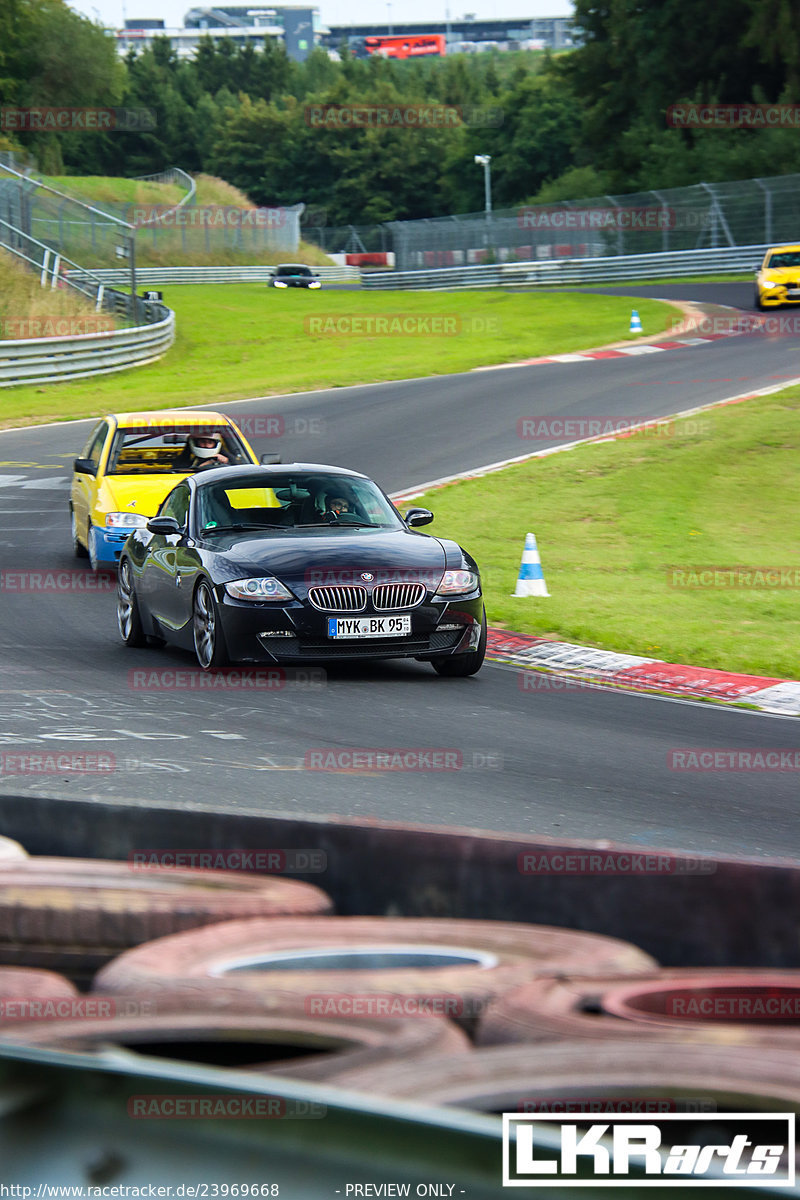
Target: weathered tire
(26, 994)
(608, 1076)
(78, 548)
(11, 851)
(279, 1042)
(452, 967)
(74, 914)
(571, 1009)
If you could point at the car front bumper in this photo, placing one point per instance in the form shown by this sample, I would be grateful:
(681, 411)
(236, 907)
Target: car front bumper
(298, 632)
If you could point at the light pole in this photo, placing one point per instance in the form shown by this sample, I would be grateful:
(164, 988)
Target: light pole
(389, 18)
(486, 162)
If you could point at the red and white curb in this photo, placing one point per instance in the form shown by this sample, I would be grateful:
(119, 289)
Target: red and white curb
(644, 674)
(620, 352)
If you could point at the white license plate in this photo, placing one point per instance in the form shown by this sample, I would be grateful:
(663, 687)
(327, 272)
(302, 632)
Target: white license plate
(366, 627)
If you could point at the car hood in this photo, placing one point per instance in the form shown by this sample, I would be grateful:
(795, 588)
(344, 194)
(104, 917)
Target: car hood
(135, 493)
(320, 557)
(781, 274)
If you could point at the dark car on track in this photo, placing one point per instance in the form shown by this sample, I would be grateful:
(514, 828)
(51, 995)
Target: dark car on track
(295, 563)
(294, 275)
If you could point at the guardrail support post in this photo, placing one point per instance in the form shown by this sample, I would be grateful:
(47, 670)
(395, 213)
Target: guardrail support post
(45, 264)
(56, 269)
(99, 301)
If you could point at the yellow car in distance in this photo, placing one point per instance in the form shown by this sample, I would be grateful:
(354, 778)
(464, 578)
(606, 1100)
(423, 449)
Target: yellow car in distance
(778, 280)
(132, 461)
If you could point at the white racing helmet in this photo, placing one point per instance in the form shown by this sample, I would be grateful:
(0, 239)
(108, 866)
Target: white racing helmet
(206, 451)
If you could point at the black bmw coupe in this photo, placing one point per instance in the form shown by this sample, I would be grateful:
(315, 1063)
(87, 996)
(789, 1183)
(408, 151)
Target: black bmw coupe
(294, 563)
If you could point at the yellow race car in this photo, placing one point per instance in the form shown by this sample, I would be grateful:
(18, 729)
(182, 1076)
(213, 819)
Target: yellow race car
(130, 464)
(778, 280)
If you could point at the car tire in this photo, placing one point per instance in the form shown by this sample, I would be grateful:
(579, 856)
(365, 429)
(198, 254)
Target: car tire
(563, 1078)
(209, 640)
(458, 666)
(576, 1010)
(78, 547)
(286, 1042)
(757, 302)
(129, 621)
(73, 915)
(453, 967)
(91, 542)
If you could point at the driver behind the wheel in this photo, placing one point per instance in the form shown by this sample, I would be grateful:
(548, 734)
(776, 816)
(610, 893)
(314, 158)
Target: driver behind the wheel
(201, 451)
(339, 504)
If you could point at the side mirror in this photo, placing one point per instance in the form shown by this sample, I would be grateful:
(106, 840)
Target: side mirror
(84, 466)
(270, 460)
(166, 526)
(418, 516)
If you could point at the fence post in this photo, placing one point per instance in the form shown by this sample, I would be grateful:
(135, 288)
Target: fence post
(767, 210)
(45, 264)
(56, 269)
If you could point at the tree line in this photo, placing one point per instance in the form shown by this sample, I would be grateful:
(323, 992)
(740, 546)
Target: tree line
(583, 123)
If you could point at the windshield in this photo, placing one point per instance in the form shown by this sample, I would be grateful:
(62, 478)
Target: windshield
(170, 451)
(294, 271)
(787, 258)
(294, 500)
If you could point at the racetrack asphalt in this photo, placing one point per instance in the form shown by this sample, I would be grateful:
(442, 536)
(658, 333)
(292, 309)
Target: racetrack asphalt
(570, 763)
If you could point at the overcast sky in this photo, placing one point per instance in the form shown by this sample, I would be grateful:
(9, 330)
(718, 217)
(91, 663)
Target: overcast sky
(336, 12)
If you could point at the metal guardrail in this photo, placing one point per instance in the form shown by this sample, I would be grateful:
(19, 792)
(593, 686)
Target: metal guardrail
(152, 276)
(728, 259)
(57, 359)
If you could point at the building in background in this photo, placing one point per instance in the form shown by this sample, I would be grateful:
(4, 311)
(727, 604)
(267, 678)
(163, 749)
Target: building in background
(297, 28)
(466, 35)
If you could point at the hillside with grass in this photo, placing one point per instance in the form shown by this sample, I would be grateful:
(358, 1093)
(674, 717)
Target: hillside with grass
(219, 233)
(29, 310)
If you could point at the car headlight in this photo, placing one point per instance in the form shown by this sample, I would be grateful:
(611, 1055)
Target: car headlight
(314, 283)
(280, 283)
(125, 520)
(456, 583)
(267, 588)
(768, 283)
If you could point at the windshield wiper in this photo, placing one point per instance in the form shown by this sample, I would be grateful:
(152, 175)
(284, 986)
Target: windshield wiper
(243, 525)
(338, 525)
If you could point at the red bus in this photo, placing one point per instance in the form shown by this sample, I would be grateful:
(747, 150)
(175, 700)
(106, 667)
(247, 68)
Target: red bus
(405, 47)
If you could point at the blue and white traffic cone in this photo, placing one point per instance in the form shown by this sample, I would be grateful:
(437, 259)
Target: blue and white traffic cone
(636, 323)
(530, 581)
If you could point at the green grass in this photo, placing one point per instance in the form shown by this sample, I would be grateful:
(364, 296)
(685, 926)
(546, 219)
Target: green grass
(240, 340)
(189, 245)
(611, 519)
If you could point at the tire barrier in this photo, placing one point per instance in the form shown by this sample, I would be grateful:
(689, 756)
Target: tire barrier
(11, 851)
(284, 1043)
(605, 1076)
(366, 966)
(25, 993)
(75, 914)
(733, 1006)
